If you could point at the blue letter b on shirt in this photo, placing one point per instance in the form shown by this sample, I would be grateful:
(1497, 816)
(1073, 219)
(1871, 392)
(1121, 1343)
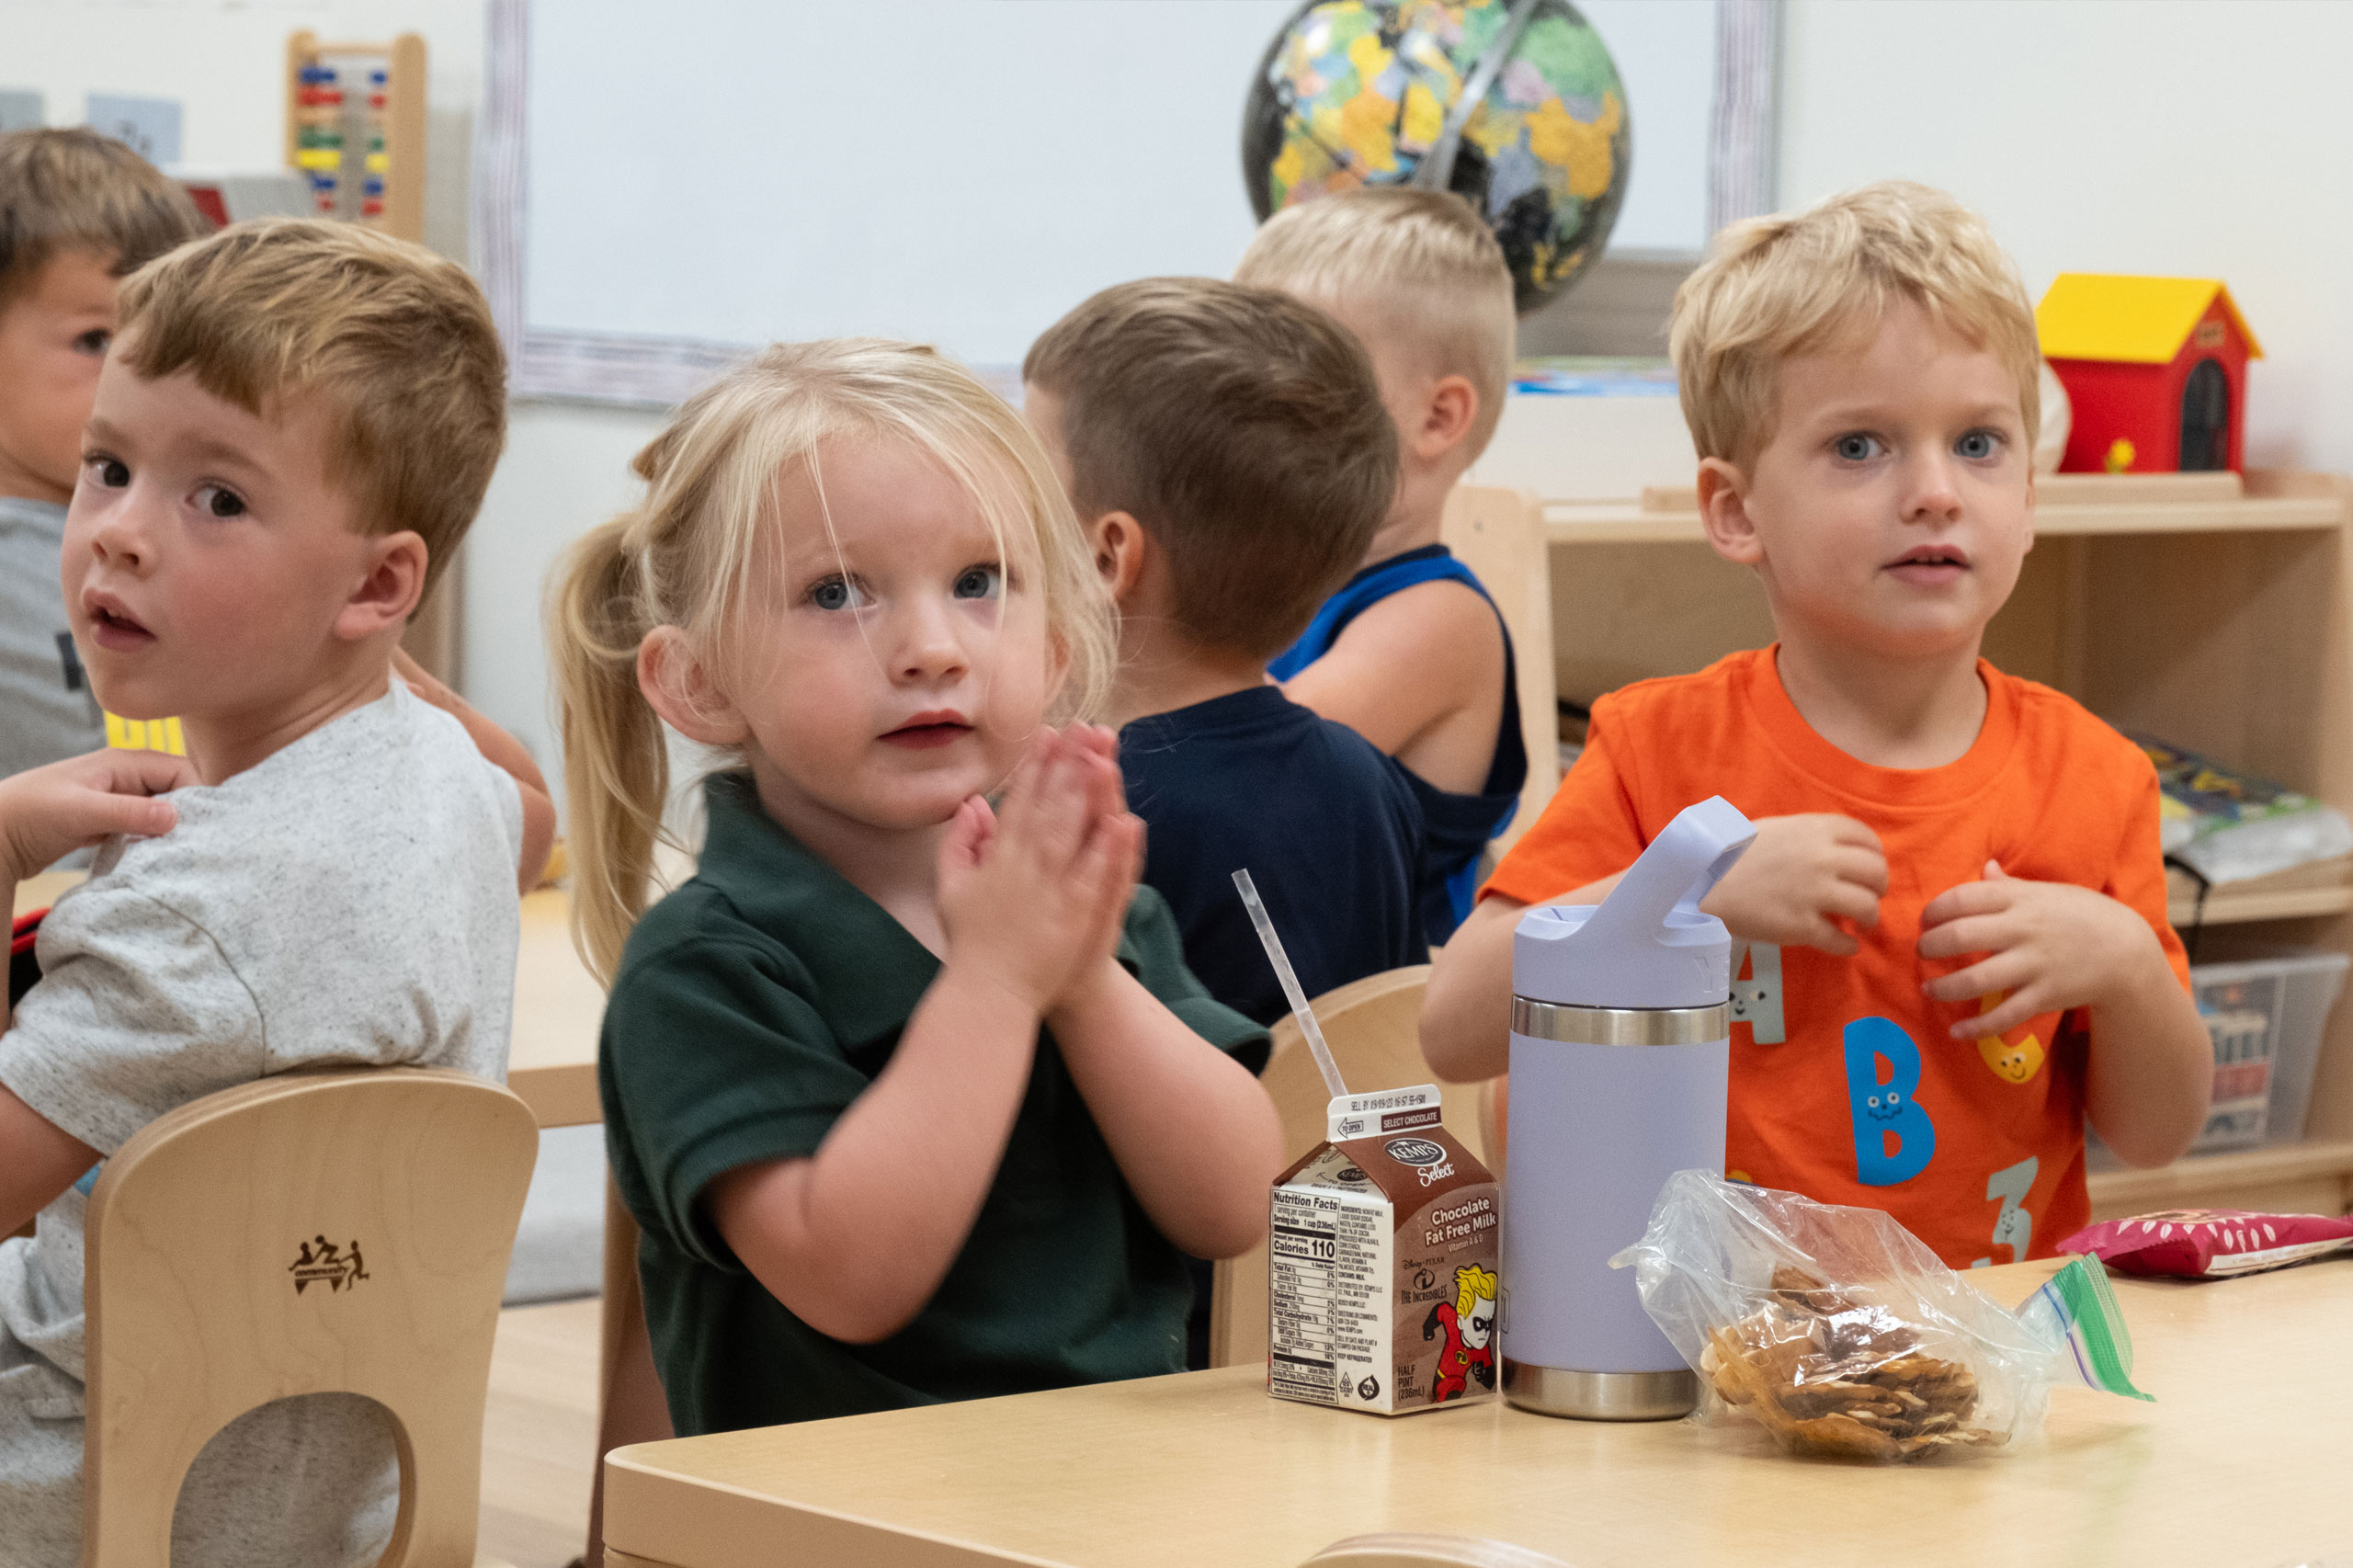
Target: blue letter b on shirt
(1893, 1137)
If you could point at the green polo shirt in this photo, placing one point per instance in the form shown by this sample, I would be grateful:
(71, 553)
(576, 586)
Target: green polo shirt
(752, 1007)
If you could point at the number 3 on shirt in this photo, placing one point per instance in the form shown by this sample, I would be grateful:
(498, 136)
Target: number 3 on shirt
(2012, 1227)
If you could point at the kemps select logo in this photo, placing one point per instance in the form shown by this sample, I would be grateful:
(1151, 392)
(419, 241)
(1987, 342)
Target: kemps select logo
(1427, 1158)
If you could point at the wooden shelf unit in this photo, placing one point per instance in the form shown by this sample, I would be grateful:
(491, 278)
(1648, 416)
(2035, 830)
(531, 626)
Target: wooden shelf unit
(2212, 612)
(2325, 888)
(2069, 505)
(2312, 1177)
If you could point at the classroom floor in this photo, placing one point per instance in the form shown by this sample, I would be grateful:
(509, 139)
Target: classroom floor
(540, 1434)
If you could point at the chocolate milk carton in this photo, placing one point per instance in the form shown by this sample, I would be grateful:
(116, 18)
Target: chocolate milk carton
(1382, 1263)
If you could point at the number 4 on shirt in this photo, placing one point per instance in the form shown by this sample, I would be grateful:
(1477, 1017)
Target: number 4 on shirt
(1756, 996)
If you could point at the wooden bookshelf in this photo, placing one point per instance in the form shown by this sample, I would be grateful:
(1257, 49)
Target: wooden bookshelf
(2312, 1177)
(2208, 609)
(2068, 505)
(2324, 888)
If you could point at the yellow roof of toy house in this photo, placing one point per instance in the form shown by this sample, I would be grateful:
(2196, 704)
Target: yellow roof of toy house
(2142, 321)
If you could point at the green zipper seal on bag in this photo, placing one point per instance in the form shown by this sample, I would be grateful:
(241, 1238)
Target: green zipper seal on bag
(2093, 1324)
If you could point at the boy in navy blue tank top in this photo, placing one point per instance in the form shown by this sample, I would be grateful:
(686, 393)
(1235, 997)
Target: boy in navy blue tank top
(1230, 460)
(1409, 651)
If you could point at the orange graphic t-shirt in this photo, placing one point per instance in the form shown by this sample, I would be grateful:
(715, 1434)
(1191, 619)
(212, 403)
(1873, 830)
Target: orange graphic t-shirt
(1845, 1085)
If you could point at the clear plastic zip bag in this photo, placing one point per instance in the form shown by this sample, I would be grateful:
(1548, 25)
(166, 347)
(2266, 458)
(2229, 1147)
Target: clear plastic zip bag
(1841, 1333)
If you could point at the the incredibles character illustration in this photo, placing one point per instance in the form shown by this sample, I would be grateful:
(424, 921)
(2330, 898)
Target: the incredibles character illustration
(1468, 1324)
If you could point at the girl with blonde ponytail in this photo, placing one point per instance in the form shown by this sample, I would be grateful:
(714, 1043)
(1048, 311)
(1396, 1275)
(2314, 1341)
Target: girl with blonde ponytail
(912, 1097)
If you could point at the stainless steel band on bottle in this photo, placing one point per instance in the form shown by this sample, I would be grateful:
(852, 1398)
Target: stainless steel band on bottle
(1619, 1026)
(1600, 1397)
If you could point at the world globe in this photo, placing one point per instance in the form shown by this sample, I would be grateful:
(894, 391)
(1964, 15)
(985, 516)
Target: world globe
(1513, 105)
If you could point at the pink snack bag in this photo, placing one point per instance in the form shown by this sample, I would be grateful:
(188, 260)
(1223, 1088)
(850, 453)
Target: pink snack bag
(2209, 1244)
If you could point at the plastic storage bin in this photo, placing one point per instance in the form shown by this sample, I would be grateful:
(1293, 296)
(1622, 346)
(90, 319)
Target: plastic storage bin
(2265, 1014)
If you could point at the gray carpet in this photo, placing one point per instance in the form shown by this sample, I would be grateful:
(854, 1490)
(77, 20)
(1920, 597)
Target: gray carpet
(559, 1247)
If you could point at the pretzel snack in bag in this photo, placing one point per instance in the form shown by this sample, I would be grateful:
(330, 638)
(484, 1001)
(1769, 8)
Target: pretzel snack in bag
(1840, 1332)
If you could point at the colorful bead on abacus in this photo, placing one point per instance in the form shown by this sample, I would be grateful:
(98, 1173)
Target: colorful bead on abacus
(318, 132)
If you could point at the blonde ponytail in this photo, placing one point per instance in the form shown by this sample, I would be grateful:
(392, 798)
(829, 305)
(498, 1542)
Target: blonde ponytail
(616, 765)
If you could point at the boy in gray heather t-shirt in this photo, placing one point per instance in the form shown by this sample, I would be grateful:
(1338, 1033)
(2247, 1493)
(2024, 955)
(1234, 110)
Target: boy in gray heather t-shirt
(293, 427)
(350, 901)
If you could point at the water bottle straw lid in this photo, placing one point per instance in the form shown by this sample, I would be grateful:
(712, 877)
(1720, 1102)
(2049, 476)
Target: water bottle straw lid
(1290, 978)
(1648, 945)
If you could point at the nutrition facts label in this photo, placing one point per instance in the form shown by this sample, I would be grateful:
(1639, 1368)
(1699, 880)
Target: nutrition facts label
(1367, 1240)
(1300, 1256)
(1328, 1268)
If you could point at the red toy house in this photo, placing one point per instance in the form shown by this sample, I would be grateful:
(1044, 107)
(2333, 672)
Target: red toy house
(2154, 367)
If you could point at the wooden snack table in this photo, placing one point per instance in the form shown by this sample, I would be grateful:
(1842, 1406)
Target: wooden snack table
(2242, 1461)
(39, 892)
(558, 1009)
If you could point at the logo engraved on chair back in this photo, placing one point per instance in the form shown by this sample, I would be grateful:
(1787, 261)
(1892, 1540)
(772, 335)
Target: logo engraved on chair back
(321, 1262)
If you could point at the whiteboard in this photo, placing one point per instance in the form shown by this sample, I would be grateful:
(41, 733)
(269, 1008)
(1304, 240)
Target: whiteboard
(684, 180)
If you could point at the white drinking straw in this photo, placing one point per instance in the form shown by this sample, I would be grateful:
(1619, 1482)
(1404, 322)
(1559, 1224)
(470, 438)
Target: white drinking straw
(1290, 977)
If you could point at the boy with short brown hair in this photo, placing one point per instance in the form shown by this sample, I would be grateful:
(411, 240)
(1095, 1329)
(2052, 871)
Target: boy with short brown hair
(1410, 651)
(78, 212)
(1860, 379)
(290, 433)
(1227, 452)
(1228, 455)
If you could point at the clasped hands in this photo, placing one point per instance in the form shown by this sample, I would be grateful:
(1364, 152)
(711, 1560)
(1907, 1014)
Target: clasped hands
(2048, 946)
(1034, 893)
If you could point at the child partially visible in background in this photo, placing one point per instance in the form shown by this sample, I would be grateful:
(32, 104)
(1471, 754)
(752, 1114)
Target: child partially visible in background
(914, 1099)
(78, 211)
(1410, 653)
(1229, 457)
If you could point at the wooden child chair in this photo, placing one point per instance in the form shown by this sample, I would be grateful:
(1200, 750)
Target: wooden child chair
(1374, 1027)
(1501, 535)
(630, 1407)
(314, 1232)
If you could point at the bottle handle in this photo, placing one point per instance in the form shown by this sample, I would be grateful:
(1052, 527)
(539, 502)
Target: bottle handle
(1681, 866)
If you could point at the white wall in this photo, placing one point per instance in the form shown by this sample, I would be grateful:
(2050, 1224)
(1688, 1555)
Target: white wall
(964, 186)
(1666, 54)
(2198, 138)
(567, 470)
(977, 221)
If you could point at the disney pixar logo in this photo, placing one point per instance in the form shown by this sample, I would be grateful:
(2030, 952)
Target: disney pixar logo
(322, 1263)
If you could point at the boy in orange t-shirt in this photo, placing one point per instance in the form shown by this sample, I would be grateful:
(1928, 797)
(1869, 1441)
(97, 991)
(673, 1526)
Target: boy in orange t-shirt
(1955, 908)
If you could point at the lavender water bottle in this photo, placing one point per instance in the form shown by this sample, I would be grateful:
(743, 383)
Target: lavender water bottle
(1620, 1056)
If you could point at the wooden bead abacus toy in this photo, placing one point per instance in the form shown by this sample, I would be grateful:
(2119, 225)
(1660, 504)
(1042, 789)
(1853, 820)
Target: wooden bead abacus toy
(355, 127)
